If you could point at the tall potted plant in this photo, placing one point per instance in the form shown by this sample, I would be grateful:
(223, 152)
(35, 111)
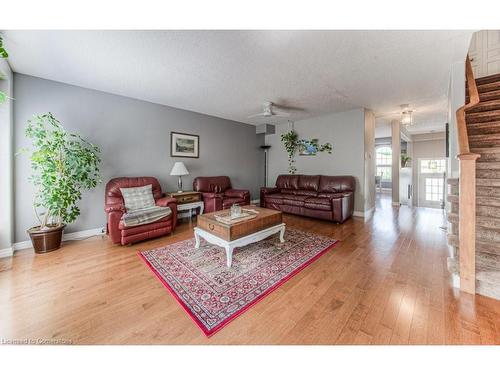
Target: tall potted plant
(63, 166)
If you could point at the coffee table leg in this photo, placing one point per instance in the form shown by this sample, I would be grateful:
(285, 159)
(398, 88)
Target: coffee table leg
(282, 235)
(197, 239)
(229, 256)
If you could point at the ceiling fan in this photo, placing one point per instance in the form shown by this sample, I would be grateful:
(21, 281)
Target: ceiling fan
(268, 110)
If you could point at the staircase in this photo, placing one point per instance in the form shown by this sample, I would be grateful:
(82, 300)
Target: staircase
(483, 129)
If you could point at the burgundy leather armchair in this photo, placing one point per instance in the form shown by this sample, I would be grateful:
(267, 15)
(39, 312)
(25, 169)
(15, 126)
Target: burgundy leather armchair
(115, 208)
(218, 194)
(322, 197)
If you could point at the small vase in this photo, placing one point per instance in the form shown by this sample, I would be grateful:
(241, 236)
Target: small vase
(235, 211)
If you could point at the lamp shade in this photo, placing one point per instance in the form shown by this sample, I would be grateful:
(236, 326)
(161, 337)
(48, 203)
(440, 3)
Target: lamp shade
(179, 169)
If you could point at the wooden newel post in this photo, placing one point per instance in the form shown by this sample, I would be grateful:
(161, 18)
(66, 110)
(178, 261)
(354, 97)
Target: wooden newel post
(467, 222)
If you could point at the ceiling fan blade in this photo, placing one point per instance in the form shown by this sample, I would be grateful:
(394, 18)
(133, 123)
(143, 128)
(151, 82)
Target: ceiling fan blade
(257, 115)
(280, 114)
(288, 107)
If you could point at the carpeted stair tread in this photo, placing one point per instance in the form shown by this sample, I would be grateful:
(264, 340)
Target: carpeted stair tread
(487, 174)
(487, 87)
(487, 222)
(453, 240)
(488, 274)
(487, 153)
(484, 140)
(452, 198)
(487, 79)
(487, 262)
(487, 201)
(487, 211)
(490, 105)
(487, 247)
(484, 128)
(487, 235)
(492, 182)
(487, 191)
(481, 246)
(488, 165)
(486, 96)
(488, 289)
(478, 117)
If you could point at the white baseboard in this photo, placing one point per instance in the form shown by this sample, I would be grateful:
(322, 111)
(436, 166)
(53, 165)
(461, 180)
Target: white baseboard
(369, 212)
(7, 252)
(255, 201)
(365, 214)
(66, 237)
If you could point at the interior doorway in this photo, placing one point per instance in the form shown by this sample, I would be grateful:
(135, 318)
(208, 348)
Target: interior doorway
(431, 176)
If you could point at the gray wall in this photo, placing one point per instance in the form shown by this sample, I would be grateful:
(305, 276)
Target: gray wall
(344, 130)
(6, 156)
(134, 137)
(425, 146)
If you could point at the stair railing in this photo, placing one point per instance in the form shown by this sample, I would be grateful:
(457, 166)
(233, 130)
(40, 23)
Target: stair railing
(467, 190)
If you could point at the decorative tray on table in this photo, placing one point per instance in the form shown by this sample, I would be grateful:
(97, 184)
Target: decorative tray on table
(227, 218)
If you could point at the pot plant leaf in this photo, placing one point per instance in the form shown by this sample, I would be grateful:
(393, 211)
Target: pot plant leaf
(63, 166)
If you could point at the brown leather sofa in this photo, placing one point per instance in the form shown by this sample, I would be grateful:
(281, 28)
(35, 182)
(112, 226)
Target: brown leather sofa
(218, 194)
(115, 208)
(322, 197)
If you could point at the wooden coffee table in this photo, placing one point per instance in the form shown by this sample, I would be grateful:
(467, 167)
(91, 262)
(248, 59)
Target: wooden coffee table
(229, 237)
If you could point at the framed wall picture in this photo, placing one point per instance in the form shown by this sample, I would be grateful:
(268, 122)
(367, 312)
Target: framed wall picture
(184, 145)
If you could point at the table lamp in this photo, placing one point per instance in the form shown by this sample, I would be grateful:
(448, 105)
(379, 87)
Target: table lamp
(180, 170)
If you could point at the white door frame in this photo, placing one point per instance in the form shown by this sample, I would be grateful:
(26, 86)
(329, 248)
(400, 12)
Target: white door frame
(421, 191)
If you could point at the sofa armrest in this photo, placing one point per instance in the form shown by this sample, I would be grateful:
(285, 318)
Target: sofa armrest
(213, 201)
(172, 203)
(343, 206)
(115, 208)
(236, 193)
(269, 190)
(165, 201)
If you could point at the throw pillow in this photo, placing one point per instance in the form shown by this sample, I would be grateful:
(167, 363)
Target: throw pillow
(138, 197)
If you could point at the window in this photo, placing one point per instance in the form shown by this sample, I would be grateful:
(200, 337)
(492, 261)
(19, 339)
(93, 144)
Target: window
(383, 162)
(432, 166)
(433, 189)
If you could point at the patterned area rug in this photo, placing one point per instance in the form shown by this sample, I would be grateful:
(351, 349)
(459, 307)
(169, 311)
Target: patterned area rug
(213, 294)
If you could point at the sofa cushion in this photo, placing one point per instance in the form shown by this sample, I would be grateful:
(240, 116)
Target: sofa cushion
(330, 195)
(309, 193)
(288, 191)
(145, 216)
(318, 203)
(214, 184)
(293, 197)
(127, 231)
(309, 182)
(287, 181)
(294, 200)
(334, 184)
(274, 198)
(138, 198)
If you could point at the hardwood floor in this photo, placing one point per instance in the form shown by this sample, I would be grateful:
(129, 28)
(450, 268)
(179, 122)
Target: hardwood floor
(386, 283)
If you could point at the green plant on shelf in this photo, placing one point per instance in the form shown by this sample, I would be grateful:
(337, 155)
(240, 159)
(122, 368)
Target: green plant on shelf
(405, 160)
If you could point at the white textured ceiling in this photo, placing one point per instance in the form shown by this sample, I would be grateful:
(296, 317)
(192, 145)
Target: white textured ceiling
(229, 74)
